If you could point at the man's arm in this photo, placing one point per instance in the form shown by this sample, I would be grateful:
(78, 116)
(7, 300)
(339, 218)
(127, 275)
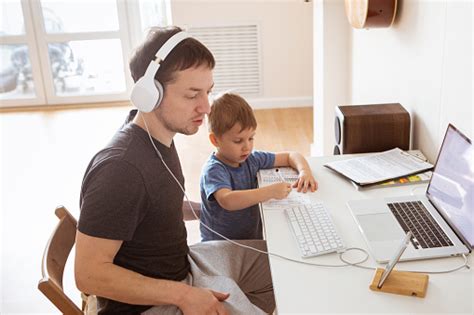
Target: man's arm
(298, 162)
(96, 273)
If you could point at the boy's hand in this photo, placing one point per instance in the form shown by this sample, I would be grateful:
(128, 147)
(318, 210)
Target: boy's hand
(280, 190)
(305, 180)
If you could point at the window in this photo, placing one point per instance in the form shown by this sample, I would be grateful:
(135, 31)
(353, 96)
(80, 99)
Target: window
(60, 52)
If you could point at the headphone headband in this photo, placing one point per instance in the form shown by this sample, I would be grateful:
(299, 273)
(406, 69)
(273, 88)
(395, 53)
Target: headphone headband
(147, 92)
(171, 43)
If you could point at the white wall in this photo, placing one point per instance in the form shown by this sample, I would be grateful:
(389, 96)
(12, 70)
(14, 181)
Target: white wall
(424, 62)
(286, 34)
(331, 82)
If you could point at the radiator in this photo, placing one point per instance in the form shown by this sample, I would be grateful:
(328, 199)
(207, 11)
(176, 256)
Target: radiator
(236, 49)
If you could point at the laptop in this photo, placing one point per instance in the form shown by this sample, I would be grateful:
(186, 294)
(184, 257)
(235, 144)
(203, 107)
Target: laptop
(442, 220)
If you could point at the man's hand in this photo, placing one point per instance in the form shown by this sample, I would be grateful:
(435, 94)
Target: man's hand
(305, 180)
(199, 301)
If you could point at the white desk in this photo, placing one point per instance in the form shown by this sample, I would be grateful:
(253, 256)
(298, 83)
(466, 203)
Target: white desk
(319, 290)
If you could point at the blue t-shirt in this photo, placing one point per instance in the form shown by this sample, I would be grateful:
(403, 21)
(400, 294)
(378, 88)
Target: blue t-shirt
(239, 224)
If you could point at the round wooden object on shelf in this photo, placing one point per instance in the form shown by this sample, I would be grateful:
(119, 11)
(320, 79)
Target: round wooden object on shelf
(371, 13)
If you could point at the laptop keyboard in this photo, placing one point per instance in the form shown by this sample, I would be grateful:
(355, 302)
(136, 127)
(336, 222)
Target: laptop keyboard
(314, 230)
(414, 217)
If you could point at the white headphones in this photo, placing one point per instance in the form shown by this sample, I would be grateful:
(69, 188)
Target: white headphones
(147, 92)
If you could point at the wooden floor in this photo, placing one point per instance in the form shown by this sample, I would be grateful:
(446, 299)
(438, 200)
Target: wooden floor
(43, 157)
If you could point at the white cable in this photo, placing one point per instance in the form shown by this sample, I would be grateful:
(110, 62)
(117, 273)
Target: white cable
(345, 262)
(341, 257)
(465, 265)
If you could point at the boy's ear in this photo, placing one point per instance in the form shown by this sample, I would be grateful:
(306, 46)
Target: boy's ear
(213, 139)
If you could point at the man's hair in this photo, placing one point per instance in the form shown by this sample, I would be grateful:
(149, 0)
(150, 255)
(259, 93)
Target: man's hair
(228, 110)
(190, 53)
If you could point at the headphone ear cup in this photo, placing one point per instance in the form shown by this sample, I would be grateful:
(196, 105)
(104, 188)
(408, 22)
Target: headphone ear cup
(160, 89)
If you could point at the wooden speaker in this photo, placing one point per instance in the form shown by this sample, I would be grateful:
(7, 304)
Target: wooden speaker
(371, 128)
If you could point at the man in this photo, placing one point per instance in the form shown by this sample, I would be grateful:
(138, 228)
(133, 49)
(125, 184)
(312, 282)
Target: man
(131, 248)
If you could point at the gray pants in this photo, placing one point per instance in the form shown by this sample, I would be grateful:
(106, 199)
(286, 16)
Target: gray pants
(228, 268)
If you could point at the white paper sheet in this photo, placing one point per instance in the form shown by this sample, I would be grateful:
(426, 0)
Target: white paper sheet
(270, 176)
(294, 199)
(379, 166)
(275, 175)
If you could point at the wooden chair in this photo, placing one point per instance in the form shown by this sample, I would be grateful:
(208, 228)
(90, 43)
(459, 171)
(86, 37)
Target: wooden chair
(54, 260)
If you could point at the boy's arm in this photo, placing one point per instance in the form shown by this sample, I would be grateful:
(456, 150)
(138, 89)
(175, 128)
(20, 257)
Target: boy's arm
(96, 274)
(298, 162)
(240, 199)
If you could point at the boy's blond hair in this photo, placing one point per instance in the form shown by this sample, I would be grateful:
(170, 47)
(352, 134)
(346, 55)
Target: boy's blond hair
(227, 110)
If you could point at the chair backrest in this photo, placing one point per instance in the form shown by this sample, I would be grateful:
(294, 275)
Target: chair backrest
(54, 260)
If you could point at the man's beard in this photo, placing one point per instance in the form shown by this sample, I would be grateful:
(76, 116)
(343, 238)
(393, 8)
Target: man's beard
(189, 129)
(183, 130)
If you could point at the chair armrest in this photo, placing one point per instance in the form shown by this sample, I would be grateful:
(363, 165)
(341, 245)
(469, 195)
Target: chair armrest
(188, 214)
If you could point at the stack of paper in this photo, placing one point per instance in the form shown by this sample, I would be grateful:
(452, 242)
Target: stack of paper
(380, 167)
(417, 178)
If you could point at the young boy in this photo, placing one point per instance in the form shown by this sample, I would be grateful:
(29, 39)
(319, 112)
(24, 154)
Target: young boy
(228, 184)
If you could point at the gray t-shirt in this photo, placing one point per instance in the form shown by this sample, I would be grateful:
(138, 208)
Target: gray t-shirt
(128, 195)
(239, 224)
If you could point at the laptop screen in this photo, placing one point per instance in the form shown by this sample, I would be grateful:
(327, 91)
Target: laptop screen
(451, 188)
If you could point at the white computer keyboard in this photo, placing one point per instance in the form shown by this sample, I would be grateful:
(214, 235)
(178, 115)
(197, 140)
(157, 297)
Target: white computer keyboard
(314, 230)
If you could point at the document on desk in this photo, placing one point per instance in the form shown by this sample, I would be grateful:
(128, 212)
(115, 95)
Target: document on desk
(276, 175)
(379, 167)
(294, 199)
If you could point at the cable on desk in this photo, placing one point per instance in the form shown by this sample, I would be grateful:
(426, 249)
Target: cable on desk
(346, 264)
(357, 264)
(465, 265)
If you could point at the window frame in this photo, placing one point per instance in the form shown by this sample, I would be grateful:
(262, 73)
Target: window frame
(27, 39)
(37, 41)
